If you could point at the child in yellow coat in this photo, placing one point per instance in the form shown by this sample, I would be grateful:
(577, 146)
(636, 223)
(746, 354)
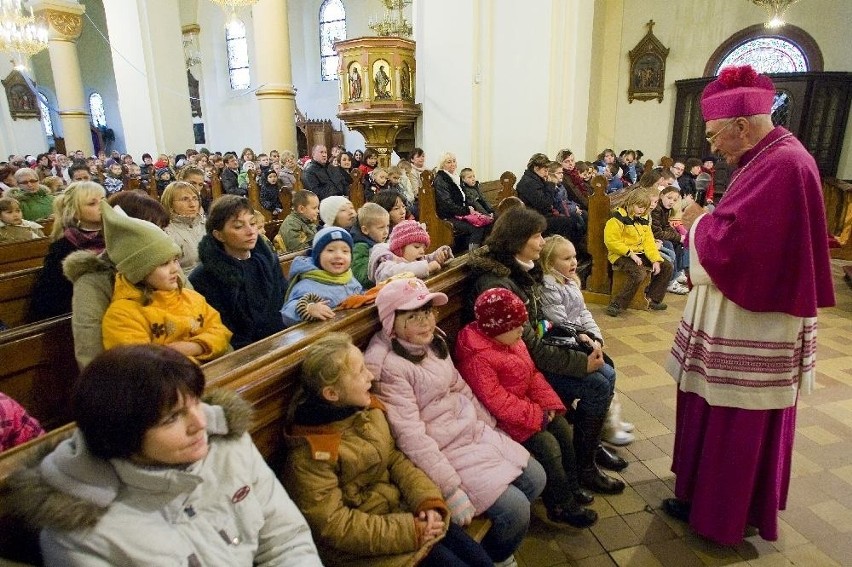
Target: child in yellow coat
(150, 303)
(630, 243)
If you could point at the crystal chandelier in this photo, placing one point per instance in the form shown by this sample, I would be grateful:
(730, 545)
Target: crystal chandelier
(390, 25)
(20, 35)
(775, 9)
(231, 6)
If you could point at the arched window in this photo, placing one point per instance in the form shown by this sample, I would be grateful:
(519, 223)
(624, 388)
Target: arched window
(96, 109)
(332, 28)
(46, 122)
(767, 55)
(788, 50)
(238, 61)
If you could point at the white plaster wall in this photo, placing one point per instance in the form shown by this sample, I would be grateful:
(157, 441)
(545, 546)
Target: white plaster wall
(18, 136)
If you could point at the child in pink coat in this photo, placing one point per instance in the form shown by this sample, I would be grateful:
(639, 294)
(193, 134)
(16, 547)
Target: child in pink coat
(440, 425)
(495, 362)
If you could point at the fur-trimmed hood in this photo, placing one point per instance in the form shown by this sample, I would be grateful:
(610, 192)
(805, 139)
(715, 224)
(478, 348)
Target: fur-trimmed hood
(480, 262)
(70, 488)
(82, 262)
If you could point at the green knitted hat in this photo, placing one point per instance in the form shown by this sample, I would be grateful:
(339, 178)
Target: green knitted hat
(135, 245)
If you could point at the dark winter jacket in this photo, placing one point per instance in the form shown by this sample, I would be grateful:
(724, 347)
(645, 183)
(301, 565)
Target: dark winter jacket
(490, 271)
(536, 193)
(248, 294)
(449, 198)
(324, 180)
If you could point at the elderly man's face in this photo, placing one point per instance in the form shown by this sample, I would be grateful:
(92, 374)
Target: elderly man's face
(27, 181)
(320, 155)
(727, 138)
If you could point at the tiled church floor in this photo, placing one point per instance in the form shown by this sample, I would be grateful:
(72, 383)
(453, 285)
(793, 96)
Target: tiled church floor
(816, 528)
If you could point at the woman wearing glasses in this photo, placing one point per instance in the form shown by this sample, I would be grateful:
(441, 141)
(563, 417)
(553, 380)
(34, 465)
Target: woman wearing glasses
(182, 201)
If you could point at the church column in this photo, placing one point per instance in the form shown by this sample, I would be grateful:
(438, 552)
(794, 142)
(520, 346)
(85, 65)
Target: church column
(65, 22)
(276, 96)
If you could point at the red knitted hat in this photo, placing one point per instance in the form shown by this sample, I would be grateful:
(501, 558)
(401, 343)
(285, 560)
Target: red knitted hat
(738, 91)
(498, 311)
(405, 233)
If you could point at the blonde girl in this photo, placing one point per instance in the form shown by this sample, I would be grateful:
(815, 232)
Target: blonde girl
(349, 499)
(563, 304)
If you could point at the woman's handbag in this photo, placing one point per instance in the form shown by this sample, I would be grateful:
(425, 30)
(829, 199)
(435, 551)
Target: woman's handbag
(568, 336)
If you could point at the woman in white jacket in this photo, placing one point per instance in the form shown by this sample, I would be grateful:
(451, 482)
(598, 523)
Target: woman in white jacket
(155, 476)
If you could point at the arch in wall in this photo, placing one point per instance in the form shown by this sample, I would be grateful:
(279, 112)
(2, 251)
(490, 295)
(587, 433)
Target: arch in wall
(801, 39)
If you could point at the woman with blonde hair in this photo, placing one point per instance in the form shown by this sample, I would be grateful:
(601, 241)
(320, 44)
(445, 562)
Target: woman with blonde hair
(77, 226)
(182, 202)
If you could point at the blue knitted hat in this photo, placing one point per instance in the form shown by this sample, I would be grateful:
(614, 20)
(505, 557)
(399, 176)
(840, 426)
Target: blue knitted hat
(325, 237)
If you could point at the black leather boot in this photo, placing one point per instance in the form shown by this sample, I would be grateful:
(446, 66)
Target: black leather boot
(609, 459)
(587, 435)
(583, 496)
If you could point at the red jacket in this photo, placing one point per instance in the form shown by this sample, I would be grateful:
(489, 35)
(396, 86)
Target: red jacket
(506, 381)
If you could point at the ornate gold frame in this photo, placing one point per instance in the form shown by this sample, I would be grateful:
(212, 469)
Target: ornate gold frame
(21, 95)
(647, 68)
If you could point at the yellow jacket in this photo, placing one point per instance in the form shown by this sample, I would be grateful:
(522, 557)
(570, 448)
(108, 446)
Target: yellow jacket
(624, 234)
(172, 316)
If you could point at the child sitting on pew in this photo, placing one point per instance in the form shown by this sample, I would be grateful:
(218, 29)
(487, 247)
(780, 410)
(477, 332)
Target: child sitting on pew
(632, 249)
(337, 211)
(495, 363)
(394, 204)
(298, 229)
(441, 426)
(13, 226)
(406, 252)
(371, 229)
(375, 181)
(320, 281)
(473, 194)
(150, 303)
(563, 305)
(365, 501)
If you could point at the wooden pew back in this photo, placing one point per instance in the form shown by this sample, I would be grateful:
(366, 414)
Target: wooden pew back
(15, 290)
(19, 255)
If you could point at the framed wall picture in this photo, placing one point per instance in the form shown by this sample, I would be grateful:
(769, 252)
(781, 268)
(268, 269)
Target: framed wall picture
(21, 95)
(647, 68)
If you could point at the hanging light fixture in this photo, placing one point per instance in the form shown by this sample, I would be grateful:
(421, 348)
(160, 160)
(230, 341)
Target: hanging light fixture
(231, 6)
(775, 9)
(20, 34)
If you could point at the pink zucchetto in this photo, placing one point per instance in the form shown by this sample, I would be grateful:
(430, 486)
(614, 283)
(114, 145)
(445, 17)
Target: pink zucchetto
(738, 91)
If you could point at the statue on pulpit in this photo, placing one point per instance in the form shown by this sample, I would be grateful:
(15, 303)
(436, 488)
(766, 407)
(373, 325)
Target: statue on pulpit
(355, 84)
(382, 83)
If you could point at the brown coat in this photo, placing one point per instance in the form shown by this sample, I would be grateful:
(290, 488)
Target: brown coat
(358, 492)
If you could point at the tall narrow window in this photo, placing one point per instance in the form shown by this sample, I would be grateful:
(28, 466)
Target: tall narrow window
(46, 122)
(332, 28)
(96, 108)
(238, 60)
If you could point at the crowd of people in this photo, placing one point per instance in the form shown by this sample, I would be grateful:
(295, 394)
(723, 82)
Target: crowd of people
(391, 451)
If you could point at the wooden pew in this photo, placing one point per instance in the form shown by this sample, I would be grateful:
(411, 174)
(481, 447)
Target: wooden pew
(440, 231)
(19, 255)
(15, 290)
(265, 374)
(837, 195)
(356, 189)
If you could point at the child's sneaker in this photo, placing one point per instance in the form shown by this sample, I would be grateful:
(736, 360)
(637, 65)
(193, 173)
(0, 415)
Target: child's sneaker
(619, 438)
(677, 289)
(681, 278)
(613, 309)
(657, 306)
(508, 562)
(627, 426)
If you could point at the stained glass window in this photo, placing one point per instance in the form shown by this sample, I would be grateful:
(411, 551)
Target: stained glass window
(96, 108)
(767, 55)
(332, 28)
(238, 60)
(46, 122)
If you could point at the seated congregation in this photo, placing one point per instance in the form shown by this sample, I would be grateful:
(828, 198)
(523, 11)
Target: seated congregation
(521, 395)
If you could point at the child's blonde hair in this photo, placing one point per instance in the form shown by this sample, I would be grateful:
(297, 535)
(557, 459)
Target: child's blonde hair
(325, 362)
(640, 197)
(370, 213)
(548, 258)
